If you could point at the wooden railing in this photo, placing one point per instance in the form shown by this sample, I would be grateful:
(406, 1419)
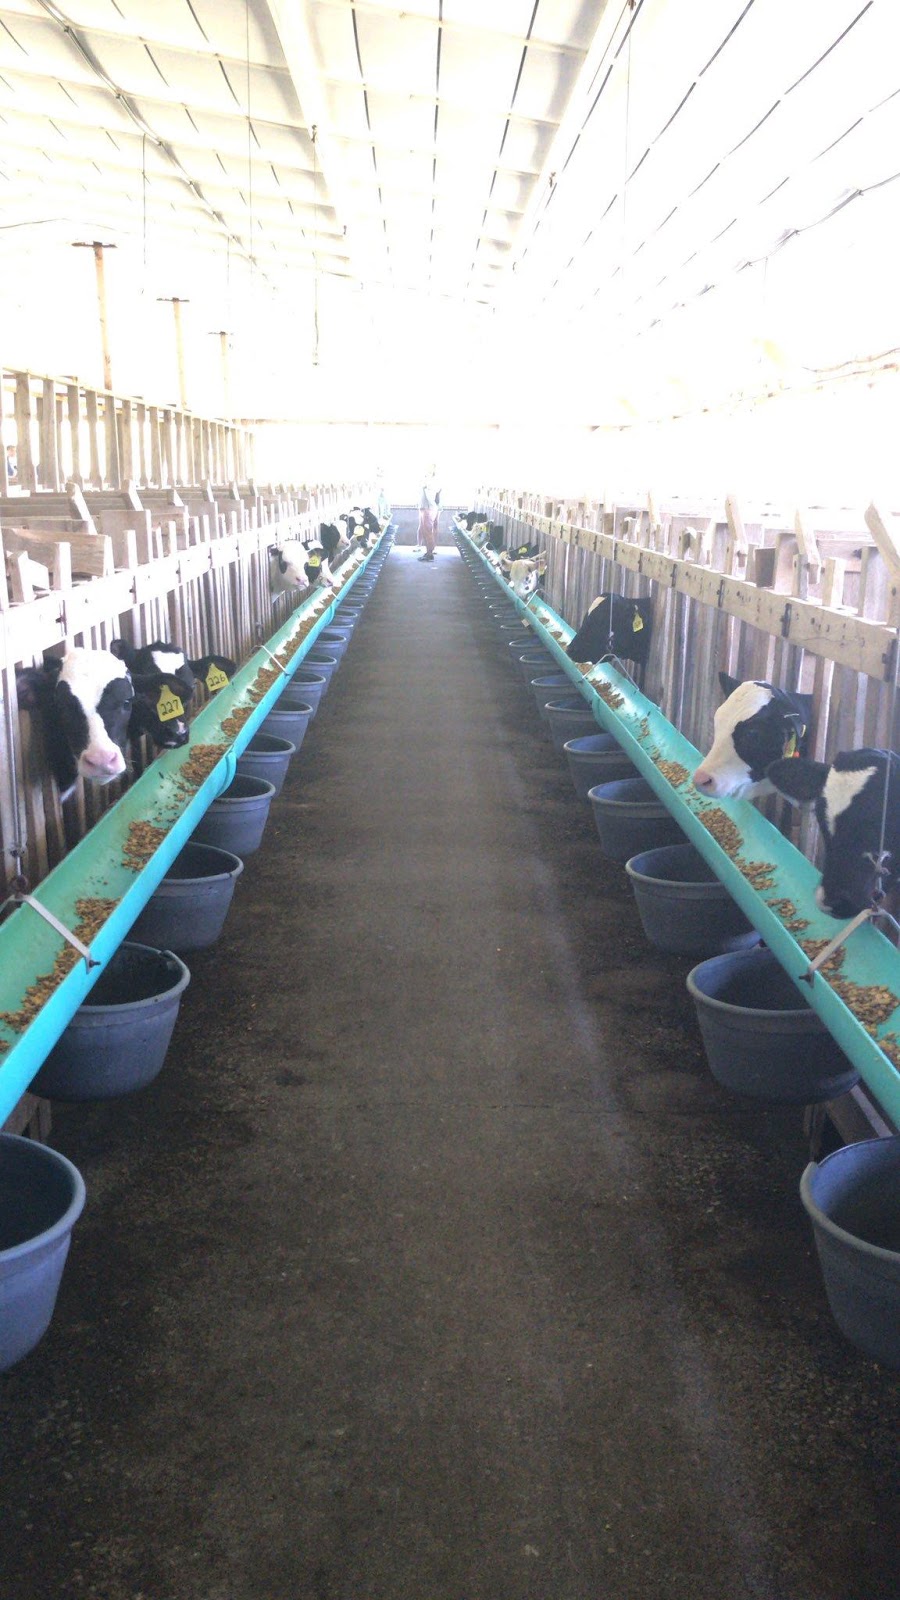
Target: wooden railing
(810, 603)
(63, 431)
(192, 566)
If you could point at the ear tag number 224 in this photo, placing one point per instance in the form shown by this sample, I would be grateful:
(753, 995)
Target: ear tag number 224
(168, 706)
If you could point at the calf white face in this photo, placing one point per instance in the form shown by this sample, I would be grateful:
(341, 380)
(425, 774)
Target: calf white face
(523, 577)
(94, 696)
(752, 728)
(725, 771)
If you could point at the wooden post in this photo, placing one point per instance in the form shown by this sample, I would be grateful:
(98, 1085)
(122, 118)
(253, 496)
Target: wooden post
(176, 305)
(73, 405)
(141, 419)
(222, 336)
(111, 436)
(92, 411)
(26, 475)
(100, 271)
(887, 539)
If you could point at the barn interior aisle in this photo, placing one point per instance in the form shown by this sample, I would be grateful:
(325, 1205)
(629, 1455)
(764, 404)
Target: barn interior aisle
(434, 1265)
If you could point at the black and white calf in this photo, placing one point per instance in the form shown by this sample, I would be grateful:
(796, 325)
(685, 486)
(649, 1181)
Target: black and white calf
(615, 626)
(287, 563)
(316, 569)
(756, 725)
(525, 576)
(85, 699)
(163, 678)
(332, 539)
(849, 797)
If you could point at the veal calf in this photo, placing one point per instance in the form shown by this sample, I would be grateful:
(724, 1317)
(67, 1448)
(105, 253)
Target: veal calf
(525, 576)
(756, 725)
(614, 626)
(849, 797)
(287, 566)
(153, 666)
(86, 700)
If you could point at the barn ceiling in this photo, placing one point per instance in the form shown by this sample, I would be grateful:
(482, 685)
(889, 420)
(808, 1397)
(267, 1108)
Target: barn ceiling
(601, 164)
(390, 144)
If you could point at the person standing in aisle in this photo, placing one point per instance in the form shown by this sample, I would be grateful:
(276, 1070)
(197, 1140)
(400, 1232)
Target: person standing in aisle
(429, 512)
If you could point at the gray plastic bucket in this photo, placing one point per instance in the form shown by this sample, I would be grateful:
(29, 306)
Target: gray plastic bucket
(630, 818)
(267, 756)
(305, 688)
(528, 645)
(237, 818)
(549, 686)
(290, 725)
(853, 1199)
(334, 641)
(595, 758)
(760, 1036)
(117, 1040)
(347, 617)
(683, 907)
(568, 718)
(531, 661)
(323, 663)
(188, 910)
(41, 1198)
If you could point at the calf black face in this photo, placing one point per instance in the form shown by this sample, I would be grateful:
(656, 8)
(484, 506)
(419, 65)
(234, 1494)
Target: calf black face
(329, 537)
(849, 799)
(159, 710)
(614, 626)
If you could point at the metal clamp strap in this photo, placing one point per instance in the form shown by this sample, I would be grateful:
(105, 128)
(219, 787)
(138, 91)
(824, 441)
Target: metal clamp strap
(60, 927)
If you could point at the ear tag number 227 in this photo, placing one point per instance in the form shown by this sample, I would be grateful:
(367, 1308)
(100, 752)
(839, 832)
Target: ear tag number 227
(168, 706)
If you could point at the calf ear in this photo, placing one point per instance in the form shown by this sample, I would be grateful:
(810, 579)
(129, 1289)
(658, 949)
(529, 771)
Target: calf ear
(800, 781)
(123, 651)
(32, 685)
(201, 666)
(150, 685)
(728, 684)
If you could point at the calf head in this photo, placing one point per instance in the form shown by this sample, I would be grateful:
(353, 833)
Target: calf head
(166, 659)
(287, 564)
(525, 576)
(159, 701)
(756, 725)
(849, 799)
(85, 699)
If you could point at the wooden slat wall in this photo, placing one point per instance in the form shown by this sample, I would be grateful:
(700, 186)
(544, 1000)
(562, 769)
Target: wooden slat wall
(807, 601)
(197, 575)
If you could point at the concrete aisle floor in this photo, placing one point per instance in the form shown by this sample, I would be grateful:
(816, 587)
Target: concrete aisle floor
(434, 1266)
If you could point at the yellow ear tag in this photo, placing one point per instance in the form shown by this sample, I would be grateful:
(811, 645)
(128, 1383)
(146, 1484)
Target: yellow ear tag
(168, 706)
(637, 623)
(314, 561)
(215, 679)
(790, 748)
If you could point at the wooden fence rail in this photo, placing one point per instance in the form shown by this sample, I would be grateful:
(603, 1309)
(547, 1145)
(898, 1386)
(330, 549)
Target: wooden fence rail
(61, 431)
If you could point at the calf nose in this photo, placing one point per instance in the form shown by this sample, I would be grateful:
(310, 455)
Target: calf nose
(97, 763)
(703, 779)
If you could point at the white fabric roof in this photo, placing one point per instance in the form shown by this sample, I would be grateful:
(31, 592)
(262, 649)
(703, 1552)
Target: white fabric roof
(577, 173)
